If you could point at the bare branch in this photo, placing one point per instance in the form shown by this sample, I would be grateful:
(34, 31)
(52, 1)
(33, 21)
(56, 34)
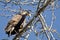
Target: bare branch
(26, 27)
(44, 25)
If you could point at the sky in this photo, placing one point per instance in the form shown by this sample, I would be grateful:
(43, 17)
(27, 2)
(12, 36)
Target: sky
(4, 20)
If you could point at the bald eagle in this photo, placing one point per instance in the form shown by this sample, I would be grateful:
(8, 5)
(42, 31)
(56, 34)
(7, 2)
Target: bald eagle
(14, 24)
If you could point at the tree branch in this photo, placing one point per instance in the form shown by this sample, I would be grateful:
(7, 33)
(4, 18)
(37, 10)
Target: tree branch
(44, 25)
(30, 22)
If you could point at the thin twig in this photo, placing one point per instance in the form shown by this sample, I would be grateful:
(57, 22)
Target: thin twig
(44, 25)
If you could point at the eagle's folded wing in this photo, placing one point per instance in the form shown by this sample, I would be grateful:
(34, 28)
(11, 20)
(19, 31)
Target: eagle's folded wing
(12, 23)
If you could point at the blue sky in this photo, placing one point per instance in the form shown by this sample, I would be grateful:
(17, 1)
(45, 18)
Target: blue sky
(4, 20)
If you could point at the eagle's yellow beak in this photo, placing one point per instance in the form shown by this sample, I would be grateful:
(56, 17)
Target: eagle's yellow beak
(29, 15)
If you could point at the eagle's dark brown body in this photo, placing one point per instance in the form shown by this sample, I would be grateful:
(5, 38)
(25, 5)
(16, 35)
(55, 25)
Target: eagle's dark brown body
(14, 24)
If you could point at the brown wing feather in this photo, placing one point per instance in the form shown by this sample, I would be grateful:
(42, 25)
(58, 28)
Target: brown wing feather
(13, 22)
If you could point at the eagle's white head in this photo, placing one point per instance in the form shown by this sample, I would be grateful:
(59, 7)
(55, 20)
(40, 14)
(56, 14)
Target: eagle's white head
(26, 13)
